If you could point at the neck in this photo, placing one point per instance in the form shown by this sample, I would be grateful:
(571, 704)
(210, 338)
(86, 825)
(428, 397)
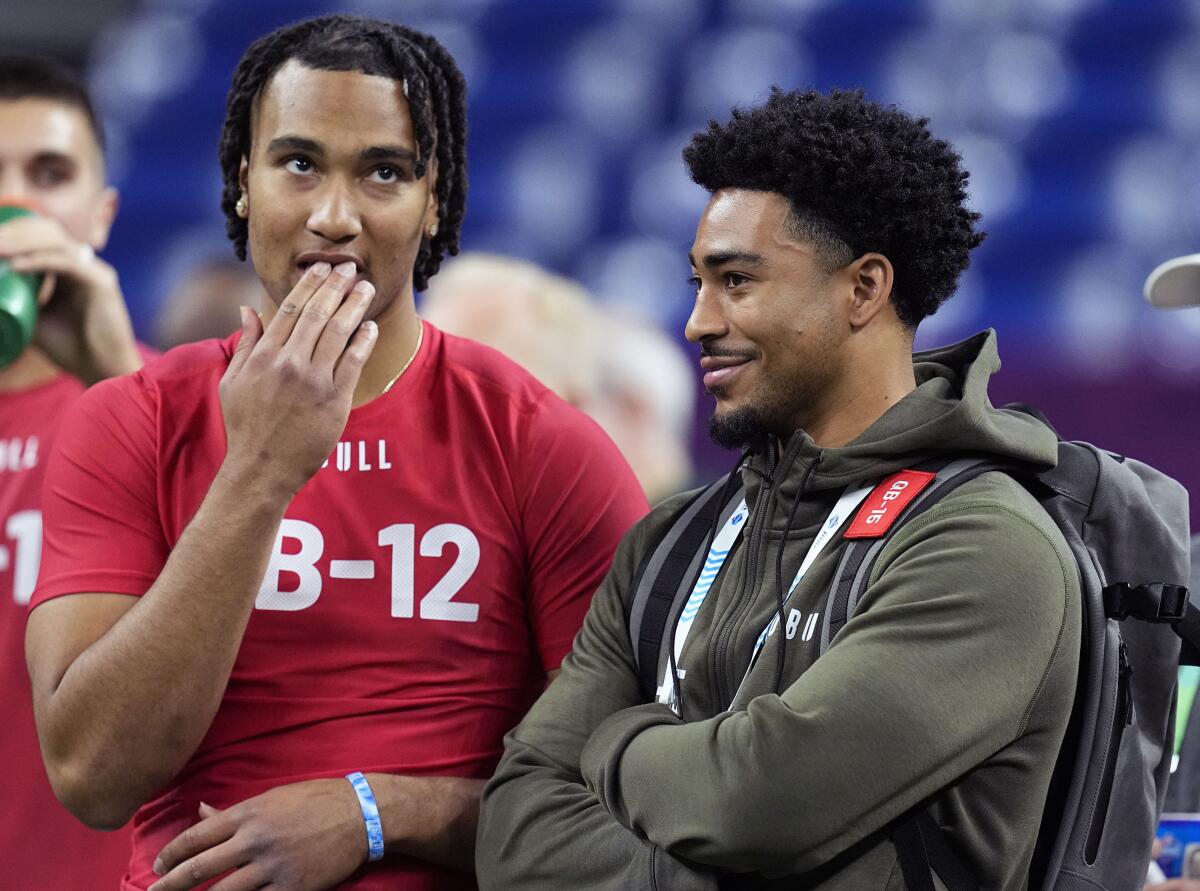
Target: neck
(30, 369)
(399, 334)
(860, 398)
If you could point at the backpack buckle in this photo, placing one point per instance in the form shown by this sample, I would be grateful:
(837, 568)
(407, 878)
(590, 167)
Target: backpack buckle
(1157, 602)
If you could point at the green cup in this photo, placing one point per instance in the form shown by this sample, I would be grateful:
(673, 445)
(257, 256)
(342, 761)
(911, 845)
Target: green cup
(18, 297)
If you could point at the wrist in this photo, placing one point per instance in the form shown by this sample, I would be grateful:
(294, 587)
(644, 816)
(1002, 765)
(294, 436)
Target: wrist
(113, 362)
(430, 817)
(369, 809)
(252, 488)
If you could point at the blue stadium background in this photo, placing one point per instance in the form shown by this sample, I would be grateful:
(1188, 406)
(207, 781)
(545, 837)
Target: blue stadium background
(1079, 119)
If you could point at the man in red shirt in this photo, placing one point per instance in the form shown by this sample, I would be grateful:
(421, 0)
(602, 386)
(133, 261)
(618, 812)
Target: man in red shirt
(52, 160)
(337, 546)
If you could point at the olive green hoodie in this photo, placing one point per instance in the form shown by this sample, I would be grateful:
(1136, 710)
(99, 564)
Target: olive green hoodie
(952, 682)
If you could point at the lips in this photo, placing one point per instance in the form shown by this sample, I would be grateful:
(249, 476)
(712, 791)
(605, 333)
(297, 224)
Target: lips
(720, 371)
(308, 258)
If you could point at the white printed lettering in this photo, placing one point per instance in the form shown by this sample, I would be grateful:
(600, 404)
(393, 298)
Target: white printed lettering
(437, 604)
(809, 627)
(344, 456)
(399, 538)
(302, 563)
(793, 623)
(25, 528)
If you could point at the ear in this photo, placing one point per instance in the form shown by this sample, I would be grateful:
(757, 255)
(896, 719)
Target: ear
(104, 211)
(431, 206)
(871, 277)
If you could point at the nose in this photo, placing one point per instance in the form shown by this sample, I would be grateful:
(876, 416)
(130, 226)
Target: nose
(334, 215)
(707, 321)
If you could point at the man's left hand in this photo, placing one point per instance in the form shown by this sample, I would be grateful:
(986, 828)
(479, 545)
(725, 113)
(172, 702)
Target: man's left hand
(300, 837)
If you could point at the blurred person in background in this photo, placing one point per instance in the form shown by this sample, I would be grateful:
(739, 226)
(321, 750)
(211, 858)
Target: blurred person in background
(646, 401)
(51, 161)
(623, 372)
(1175, 285)
(205, 302)
(542, 321)
(299, 582)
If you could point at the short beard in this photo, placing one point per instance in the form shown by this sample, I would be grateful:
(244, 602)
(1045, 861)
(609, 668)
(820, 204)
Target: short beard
(738, 428)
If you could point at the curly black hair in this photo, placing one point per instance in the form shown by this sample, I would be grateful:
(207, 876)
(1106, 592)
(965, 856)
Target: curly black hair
(861, 178)
(436, 95)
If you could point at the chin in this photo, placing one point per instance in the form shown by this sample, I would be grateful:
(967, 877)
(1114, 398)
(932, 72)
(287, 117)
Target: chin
(737, 426)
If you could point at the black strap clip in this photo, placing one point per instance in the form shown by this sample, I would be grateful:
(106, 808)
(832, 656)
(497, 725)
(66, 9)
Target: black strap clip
(1157, 602)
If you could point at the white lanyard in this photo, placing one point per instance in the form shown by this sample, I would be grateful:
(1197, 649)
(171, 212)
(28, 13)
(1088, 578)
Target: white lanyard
(720, 549)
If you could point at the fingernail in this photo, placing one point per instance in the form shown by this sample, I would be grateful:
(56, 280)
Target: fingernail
(320, 270)
(345, 269)
(372, 328)
(364, 289)
(158, 867)
(244, 311)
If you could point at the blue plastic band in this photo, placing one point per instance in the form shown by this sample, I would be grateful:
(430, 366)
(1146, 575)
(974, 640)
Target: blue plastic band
(370, 812)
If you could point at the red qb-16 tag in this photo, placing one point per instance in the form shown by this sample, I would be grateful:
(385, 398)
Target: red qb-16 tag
(886, 502)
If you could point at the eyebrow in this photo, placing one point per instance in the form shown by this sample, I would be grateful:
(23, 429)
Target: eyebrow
(722, 258)
(54, 156)
(312, 147)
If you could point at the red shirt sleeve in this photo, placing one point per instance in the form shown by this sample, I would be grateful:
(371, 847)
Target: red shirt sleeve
(579, 498)
(102, 532)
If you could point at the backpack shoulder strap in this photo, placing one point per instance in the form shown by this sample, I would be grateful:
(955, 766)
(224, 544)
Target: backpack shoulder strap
(666, 571)
(859, 554)
(921, 847)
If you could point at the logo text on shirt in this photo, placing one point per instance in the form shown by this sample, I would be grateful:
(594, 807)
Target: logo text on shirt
(358, 455)
(18, 454)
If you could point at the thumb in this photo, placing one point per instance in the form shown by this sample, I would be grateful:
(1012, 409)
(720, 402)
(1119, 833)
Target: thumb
(46, 291)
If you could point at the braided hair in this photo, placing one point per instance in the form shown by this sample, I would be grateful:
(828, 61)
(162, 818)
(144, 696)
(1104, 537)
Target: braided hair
(436, 95)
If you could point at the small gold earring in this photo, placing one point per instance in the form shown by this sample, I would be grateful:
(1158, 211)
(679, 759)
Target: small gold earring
(240, 207)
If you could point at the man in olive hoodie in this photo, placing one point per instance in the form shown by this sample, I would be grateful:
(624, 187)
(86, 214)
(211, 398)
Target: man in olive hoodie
(835, 225)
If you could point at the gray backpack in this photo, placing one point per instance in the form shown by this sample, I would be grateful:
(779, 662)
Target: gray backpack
(1127, 526)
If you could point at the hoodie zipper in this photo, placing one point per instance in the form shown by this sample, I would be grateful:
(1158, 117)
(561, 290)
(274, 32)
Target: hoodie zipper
(746, 594)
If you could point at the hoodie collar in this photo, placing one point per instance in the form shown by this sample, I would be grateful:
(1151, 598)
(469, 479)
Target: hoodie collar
(948, 414)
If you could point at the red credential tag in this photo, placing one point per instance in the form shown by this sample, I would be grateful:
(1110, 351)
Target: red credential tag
(886, 502)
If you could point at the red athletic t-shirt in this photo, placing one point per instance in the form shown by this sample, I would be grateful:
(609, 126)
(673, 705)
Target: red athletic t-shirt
(41, 844)
(422, 584)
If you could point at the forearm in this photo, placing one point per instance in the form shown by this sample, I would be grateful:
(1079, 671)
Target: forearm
(543, 829)
(130, 709)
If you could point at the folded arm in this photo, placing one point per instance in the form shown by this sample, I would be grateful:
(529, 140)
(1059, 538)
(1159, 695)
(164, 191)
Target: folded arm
(938, 670)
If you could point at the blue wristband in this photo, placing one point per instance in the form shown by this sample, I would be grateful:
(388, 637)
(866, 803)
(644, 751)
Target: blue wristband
(370, 812)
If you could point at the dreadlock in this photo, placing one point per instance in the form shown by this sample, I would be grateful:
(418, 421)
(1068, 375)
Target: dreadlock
(434, 87)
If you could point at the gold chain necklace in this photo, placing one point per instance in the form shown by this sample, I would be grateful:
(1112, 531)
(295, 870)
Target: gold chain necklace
(416, 349)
